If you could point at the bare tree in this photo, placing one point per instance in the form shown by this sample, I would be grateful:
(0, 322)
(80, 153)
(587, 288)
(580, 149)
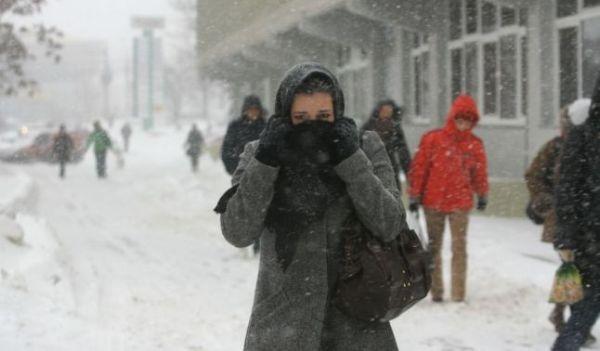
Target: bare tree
(15, 40)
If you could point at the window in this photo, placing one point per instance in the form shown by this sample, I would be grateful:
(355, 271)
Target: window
(508, 77)
(471, 16)
(417, 88)
(421, 76)
(508, 16)
(568, 65)
(488, 17)
(590, 3)
(566, 8)
(456, 72)
(455, 19)
(590, 33)
(523, 17)
(472, 69)
(524, 76)
(490, 66)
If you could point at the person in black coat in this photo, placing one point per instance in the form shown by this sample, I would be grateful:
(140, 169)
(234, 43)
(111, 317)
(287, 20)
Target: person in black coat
(193, 145)
(241, 131)
(386, 120)
(62, 148)
(578, 232)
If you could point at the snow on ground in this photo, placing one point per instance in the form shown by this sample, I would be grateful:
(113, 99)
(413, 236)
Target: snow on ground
(137, 262)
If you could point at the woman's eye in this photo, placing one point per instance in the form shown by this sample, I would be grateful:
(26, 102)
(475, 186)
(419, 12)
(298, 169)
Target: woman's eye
(298, 117)
(324, 116)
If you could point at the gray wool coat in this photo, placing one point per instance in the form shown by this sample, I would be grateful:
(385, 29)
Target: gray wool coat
(292, 311)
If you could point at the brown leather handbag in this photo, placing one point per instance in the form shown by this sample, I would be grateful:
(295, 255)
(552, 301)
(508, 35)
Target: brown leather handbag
(379, 281)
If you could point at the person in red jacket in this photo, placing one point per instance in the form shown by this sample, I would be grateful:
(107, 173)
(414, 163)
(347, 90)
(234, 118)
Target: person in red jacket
(449, 168)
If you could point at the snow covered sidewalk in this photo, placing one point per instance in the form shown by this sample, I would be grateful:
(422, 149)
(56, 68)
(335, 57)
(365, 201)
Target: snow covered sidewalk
(137, 262)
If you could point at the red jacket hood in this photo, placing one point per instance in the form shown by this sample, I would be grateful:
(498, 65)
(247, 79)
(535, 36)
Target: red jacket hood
(464, 107)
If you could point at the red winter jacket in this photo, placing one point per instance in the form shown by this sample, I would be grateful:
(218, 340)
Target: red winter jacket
(450, 166)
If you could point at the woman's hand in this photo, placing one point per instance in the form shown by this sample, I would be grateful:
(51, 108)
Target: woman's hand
(344, 140)
(272, 142)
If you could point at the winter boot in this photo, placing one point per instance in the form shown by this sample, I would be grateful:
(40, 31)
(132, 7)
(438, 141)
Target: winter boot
(590, 340)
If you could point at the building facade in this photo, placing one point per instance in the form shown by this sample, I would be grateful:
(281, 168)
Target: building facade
(520, 59)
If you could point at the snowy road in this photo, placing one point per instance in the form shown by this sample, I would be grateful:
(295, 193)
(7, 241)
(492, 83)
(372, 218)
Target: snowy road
(137, 262)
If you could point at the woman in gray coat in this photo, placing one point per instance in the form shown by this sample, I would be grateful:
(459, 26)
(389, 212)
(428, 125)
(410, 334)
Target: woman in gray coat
(293, 189)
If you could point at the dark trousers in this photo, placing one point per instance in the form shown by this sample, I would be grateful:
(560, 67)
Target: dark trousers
(62, 166)
(194, 158)
(101, 164)
(583, 317)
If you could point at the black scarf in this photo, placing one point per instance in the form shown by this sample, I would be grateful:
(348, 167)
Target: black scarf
(307, 184)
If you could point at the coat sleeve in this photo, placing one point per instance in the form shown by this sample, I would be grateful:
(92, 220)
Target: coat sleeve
(243, 220)
(571, 190)
(536, 174)
(419, 169)
(228, 154)
(371, 184)
(480, 172)
(403, 150)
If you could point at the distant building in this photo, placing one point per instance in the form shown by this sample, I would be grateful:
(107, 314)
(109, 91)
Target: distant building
(521, 59)
(68, 91)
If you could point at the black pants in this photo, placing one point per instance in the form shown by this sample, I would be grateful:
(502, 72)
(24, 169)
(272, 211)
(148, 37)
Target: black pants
(101, 164)
(62, 166)
(194, 159)
(583, 316)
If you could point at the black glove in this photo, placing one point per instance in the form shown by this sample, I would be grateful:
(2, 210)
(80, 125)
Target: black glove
(272, 141)
(482, 203)
(344, 140)
(413, 204)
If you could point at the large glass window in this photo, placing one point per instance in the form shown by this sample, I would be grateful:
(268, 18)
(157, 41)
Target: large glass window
(508, 16)
(524, 75)
(590, 34)
(566, 8)
(508, 77)
(568, 65)
(455, 19)
(456, 72)
(472, 16)
(590, 3)
(472, 69)
(488, 17)
(417, 85)
(490, 78)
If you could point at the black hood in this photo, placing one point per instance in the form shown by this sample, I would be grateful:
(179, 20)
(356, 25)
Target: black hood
(252, 101)
(295, 77)
(398, 112)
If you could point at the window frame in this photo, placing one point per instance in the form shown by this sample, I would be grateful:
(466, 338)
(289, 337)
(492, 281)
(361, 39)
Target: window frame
(357, 62)
(424, 47)
(480, 39)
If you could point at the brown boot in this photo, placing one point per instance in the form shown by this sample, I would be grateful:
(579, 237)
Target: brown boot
(557, 317)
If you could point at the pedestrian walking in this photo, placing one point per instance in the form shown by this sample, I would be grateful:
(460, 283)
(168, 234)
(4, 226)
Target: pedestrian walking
(62, 148)
(450, 167)
(193, 146)
(240, 132)
(126, 132)
(386, 120)
(102, 143)
(294, 188)
(578, 210)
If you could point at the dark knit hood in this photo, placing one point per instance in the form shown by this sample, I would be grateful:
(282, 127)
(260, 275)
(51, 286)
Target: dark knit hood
(295, 77)
(396, 116)
(253, 101)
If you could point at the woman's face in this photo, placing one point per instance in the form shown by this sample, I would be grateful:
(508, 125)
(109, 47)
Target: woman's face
(312, 107)
(386, 112)
(463, 124)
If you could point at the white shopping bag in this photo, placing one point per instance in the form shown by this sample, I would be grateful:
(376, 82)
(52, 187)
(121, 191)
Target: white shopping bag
(416, 222)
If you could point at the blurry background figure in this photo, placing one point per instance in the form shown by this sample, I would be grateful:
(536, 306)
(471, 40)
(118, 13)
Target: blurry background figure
(240, 132)
(193, 146)
(102, 144)
(126, 134)
(62, 148)
(386, 120)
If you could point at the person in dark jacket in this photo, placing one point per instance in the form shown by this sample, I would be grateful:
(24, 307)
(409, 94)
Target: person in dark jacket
(386, 120)
(193, 145)
(242, 131)
(62, 148)
(578, 226)
(126, 134)
(294, 188)
(102, 143)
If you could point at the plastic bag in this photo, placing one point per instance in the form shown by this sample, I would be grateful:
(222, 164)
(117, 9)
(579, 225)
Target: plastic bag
(568, 287)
